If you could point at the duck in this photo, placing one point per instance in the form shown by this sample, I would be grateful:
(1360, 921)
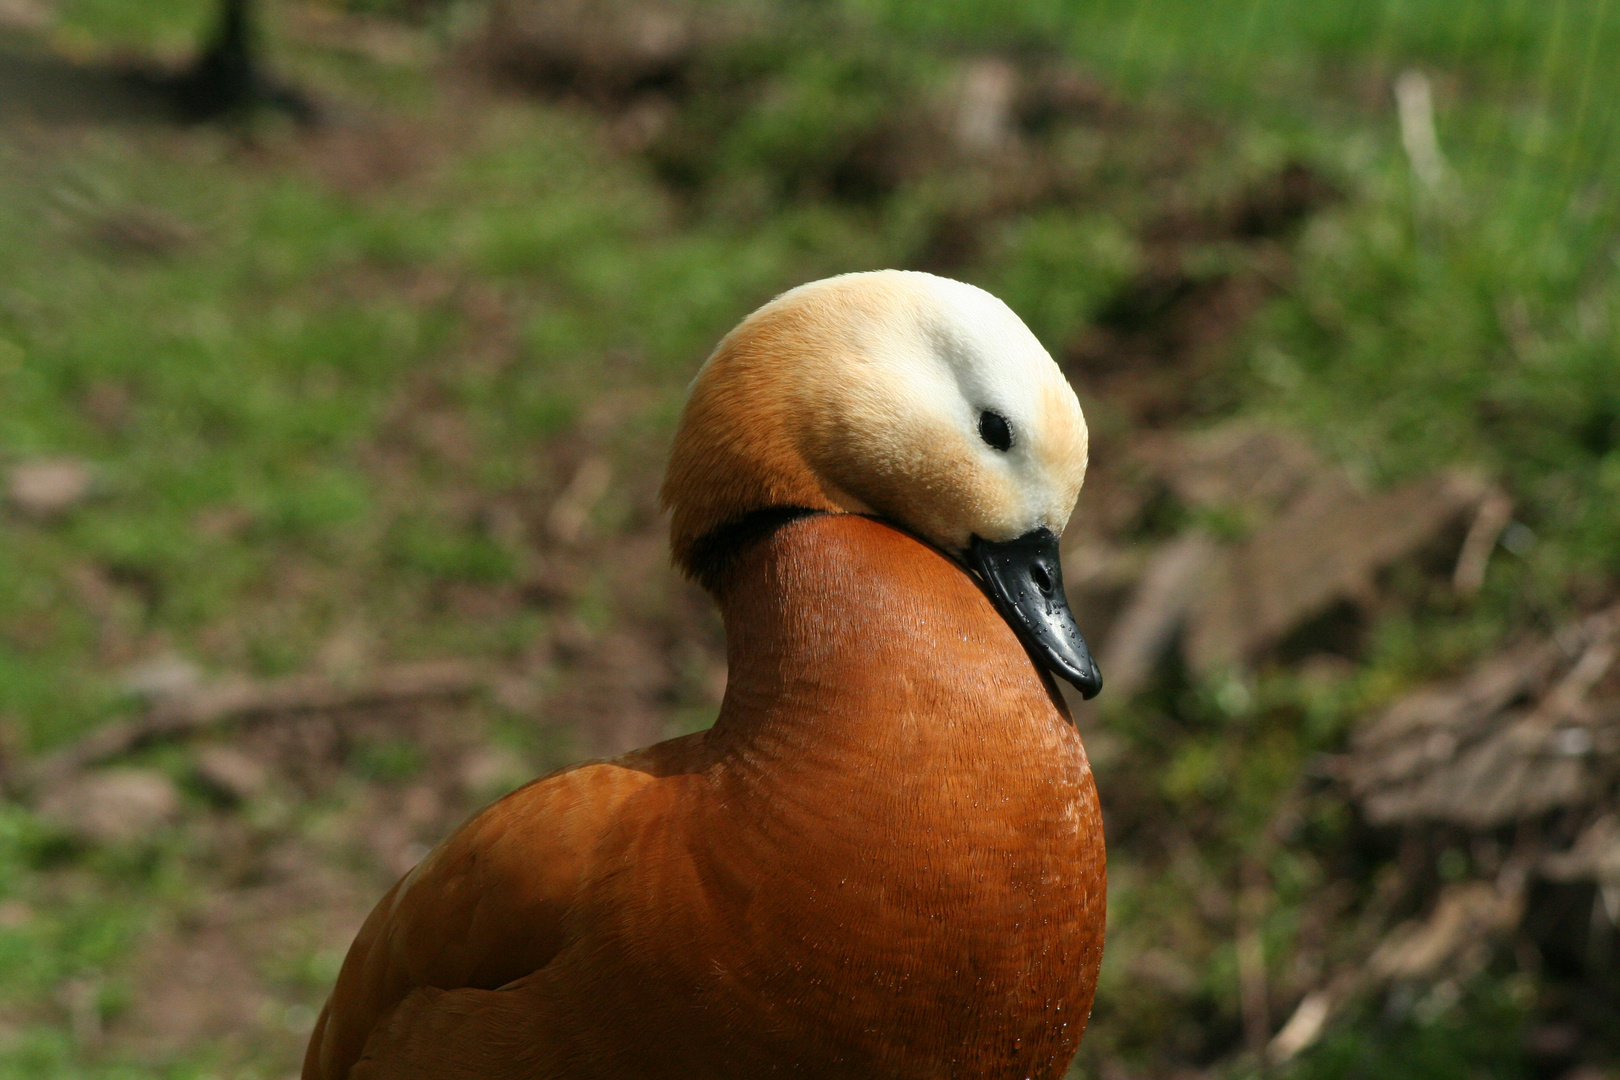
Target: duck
(885, 858)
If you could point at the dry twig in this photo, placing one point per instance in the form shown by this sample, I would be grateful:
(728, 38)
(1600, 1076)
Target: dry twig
(243, 700)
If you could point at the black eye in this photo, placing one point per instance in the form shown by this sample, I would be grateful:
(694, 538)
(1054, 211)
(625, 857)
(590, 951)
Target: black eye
(994, 429)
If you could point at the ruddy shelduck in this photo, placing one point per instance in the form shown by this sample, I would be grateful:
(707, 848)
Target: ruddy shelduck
(885, 859)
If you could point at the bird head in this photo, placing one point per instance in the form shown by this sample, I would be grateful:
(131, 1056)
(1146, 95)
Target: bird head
(909, 397)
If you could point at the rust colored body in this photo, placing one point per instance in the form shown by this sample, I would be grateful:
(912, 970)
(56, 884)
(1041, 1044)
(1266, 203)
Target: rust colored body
(884, 860)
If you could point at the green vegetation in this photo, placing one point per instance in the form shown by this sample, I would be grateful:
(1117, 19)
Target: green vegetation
(329, 386)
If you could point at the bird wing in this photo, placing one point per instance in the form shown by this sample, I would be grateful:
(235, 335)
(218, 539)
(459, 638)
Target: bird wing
(485, 908)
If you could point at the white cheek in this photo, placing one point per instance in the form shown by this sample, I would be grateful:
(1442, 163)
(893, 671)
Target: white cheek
(1035, 501)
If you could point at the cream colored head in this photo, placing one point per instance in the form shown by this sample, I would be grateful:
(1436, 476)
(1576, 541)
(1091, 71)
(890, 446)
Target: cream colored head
(868, 393)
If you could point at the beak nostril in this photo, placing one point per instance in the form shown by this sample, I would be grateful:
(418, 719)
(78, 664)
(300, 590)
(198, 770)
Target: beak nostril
(1042, 580)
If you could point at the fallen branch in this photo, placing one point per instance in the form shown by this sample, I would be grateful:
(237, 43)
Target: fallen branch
(1453, 937)
(1532, 729)
(188, 713)
(1142, 633)
(1514, 738)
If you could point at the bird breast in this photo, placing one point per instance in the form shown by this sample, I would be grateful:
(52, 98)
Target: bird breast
(893, 856)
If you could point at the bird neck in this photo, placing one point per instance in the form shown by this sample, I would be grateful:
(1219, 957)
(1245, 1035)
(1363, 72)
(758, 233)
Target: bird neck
(849, 641)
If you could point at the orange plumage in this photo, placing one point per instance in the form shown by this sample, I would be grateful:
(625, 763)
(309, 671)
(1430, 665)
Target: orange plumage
(884, 860)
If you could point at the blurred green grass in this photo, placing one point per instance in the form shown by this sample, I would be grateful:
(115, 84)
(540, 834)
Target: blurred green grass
(250, 389)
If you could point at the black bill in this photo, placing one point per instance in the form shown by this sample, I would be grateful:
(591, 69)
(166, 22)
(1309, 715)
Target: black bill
(1025, 579)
